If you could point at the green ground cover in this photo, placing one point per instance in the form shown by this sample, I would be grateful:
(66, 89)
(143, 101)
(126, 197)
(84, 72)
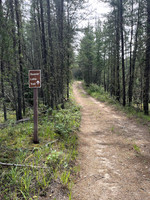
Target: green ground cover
(99, 93)
(50, 160)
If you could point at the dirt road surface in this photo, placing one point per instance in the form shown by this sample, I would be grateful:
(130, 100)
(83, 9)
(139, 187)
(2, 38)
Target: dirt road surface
(114, 153)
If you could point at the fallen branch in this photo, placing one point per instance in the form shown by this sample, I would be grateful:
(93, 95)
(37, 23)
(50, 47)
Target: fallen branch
(5, 125)
(26, 149)
(22, 120)
(51, 142)
(19, 165)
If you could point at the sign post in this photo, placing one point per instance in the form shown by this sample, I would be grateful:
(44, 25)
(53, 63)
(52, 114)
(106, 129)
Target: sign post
(35, 135)
(35, 83)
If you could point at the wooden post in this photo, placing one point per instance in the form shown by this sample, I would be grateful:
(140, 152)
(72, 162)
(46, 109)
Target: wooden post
(35, 83)
(35, 136)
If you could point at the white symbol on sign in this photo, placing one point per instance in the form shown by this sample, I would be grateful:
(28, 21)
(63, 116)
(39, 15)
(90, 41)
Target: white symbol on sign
(38, 82)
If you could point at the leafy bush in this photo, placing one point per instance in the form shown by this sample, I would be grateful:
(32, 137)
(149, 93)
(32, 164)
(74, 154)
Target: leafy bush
(94, 88)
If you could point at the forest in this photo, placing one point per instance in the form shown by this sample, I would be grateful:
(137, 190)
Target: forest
(115, 53)
(40, 35)
(36, 35)
(113, 56)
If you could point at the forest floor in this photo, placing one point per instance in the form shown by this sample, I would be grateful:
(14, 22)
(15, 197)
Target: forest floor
(114, 153)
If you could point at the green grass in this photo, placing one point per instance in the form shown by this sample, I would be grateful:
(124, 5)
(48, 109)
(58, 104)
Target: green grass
(136, 148)
(56, 151)
(99, 93)
(10, 115)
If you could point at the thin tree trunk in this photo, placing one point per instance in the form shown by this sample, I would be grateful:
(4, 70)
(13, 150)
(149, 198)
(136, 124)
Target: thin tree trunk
(20, 73)
(18, 19)
(60, 21)
(2, 86)
(147, 64)
(44, 54)
(52, 67)
(14, 52)
(68, 48)
(105, 71)
(41, 45)
(62, 50)
(130, 69)
(118, 56)
(133, 60)
(122, 48)
(2, 66)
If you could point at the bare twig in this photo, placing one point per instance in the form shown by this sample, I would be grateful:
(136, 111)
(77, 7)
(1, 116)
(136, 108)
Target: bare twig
(19, 165)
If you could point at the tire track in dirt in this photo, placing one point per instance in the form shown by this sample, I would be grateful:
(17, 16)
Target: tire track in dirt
(110, 167)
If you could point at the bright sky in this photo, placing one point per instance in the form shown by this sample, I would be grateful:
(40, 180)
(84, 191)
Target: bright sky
(99, 7)
(95, 9)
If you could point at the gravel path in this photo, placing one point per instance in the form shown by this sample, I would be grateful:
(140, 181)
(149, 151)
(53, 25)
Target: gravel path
(111, 166)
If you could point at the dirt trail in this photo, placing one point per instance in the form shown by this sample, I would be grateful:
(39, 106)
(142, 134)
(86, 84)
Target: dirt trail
(111, 168)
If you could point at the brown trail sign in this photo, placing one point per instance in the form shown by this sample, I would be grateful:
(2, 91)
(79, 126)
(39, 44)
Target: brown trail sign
(34, 78)
(35, 83)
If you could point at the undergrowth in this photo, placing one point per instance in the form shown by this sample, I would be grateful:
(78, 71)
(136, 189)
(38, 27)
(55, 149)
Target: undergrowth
(50, 160)
(99, 93)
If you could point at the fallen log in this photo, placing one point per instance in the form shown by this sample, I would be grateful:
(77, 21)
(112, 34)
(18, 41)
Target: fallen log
(5, 125)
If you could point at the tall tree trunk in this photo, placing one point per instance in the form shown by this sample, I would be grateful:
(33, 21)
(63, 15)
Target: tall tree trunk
(133, 59)
(41, 45)
(13, 71)
(68, 49)
(52, 67)
(113, 70)
(44, 54)
(62, 49)
(147, 64)
(130, 68)
(20, 81)
(60, 22)
(2, 65)
(122, 48)
(118, 55)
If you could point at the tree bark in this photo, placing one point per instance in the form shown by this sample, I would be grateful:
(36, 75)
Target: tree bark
(68, 49)
(2, 65)
(2, 87)
(133, 59)
(13, 71)
(52, 67)
(118, 55)
(44, 54)
(122, 48)
(147, 64)
(20, 81)
(60, 23)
